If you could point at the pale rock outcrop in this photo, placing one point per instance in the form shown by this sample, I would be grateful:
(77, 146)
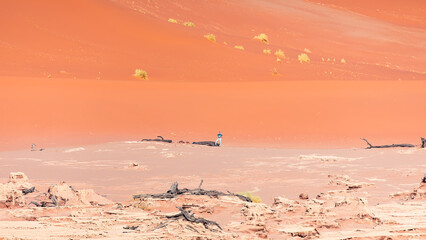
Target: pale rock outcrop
(67, 196)
(11, 192)
(417, 193)
(344, 180)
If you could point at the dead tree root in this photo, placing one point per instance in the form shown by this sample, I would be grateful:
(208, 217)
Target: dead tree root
(174, 191)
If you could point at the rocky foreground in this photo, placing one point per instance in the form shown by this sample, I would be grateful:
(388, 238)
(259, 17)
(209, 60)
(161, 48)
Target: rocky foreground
(63, 212)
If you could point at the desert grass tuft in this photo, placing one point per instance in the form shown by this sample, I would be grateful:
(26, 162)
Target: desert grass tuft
(210, 37)
(267, 51)
(262, 37)
(139, 73)
(189, 24)
(303, 57)
(255, 199)
(239, 47)
(343, 61)
(280, 53)
(275, 72)
(172, 20)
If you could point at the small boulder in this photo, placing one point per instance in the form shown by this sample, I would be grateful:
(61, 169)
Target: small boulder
(304, 196)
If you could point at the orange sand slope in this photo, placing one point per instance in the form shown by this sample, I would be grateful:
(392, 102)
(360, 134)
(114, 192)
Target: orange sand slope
(108, 40)
(66, 73)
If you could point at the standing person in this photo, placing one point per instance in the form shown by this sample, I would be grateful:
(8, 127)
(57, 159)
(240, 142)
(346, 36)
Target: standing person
(219, 139)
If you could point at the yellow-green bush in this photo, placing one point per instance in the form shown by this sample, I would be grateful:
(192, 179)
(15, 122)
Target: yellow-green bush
(280, 53)
(172, 20)
(262, 37)
(189, 24)
(255, 199)
(210, 37)
(303, 57)
(139, 73)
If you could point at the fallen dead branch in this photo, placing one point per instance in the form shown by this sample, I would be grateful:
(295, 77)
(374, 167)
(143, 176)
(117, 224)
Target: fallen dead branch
(29, 190)
(158, 139)
(404, 145)
(206, 143)
(131, 227)
(186, 215)
(174, 191)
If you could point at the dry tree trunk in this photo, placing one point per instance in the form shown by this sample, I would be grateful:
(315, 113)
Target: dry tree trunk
(174, 191)
(395, 145)
(159, 139)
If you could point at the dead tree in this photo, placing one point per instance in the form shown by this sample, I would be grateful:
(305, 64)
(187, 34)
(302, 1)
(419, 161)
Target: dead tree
(186, 215)
(206, 143)
(405, 145)
(158, 139)
(29, 190)
(174, 191)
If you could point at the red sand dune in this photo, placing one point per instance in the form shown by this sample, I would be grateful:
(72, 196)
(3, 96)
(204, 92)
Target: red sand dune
(66, 72)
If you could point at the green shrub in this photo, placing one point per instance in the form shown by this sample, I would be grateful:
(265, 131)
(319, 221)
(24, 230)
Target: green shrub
(255, 199)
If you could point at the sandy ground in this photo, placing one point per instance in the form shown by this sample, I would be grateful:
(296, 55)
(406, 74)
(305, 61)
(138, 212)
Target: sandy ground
(66, 72)
(266, 172)
(364, 179)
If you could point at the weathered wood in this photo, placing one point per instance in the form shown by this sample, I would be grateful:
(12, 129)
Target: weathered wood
(206, 143)
(190, 217)
(191, 228)
(388, 146)
(244, 198)
(423, 142)
(174, 191)
(43, 204)
(29, 190)
(54, 201)
(35, 203)
(72, 189)
(158, 139)
(131, 227)
(164, 224)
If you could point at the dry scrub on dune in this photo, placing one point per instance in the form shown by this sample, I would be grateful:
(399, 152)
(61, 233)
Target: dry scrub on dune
(280, 53)
(139, 73)
(172, 20)
(307, 50)
(189, 24)
(267, 51)
(303, 57)
(262, 37)
(239, 47)
(210, 37)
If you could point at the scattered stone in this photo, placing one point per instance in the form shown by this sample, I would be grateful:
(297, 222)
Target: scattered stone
(303, 196)
(303, 232)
